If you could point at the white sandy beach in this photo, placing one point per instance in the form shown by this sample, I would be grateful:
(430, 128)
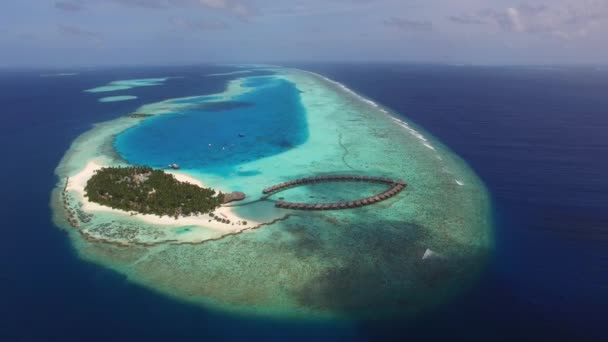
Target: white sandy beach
(77, 183)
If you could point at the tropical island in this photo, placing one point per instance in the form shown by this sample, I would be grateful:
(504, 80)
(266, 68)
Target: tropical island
(273, 255)
(148, 191)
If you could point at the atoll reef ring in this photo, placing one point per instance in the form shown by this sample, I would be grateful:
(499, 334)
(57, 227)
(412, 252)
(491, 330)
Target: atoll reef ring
(286, 196)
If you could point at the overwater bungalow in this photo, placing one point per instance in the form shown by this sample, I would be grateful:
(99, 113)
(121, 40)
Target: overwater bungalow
(395, 186)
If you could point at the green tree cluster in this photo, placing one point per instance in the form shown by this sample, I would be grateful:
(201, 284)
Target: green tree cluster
(148, 191)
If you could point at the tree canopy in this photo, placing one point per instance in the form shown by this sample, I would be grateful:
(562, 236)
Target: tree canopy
(148, 191)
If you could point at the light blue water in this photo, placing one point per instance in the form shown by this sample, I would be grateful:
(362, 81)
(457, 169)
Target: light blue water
(217, 136)
(197, 99)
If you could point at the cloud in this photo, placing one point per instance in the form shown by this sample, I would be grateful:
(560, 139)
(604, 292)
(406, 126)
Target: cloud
(27, 36)
(403, 24)
(466, 20)
(197, 25)
(76, 31)
(236, 7)
(142, 3)
(72, 6)
(565, 19)
(239, 8)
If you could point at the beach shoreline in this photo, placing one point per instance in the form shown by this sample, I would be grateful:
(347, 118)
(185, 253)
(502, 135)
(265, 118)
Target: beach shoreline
(76, 185)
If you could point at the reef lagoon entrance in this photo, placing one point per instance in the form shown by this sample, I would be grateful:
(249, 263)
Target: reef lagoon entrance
(404, 255)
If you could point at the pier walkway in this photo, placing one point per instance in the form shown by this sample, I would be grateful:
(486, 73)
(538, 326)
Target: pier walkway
(395, 187)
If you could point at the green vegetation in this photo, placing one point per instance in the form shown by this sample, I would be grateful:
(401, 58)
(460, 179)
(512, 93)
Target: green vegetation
(147, 191)
(139, 115)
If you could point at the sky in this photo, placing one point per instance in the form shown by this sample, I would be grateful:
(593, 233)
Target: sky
(43, 33)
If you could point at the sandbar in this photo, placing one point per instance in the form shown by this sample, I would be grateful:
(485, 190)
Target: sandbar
(117, 98)
(127, 84)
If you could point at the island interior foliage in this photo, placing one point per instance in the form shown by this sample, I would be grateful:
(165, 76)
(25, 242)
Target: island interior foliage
(148, 191)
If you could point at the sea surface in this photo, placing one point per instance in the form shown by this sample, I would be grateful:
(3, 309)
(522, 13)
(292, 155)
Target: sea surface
(535, 136)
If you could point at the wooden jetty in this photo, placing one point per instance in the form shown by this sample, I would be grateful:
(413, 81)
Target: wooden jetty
(395, 187)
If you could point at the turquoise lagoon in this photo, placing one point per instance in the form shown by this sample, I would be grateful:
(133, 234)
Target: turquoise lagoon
(210, 134)
(403, 256)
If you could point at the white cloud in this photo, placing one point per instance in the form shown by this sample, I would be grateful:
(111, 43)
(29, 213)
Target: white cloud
(563, 19)
(235, 7)
(239, 8)
(515, 19)
(185, 24)
(408, 24)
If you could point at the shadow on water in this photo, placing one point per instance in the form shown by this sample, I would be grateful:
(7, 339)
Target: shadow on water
(377, 270)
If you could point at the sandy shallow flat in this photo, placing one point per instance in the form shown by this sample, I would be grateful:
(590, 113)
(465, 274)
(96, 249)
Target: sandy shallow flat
(117, 98)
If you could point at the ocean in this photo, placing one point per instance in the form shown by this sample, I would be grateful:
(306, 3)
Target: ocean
(535, 136)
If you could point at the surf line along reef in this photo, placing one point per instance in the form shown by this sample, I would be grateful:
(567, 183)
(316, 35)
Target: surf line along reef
(421, 247)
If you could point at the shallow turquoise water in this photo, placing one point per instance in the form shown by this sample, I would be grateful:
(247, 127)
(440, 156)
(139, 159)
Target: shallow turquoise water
(219, 135)
(117, 98)
(196, 99)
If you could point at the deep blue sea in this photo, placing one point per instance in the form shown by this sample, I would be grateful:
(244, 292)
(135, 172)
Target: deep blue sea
(536, 136)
